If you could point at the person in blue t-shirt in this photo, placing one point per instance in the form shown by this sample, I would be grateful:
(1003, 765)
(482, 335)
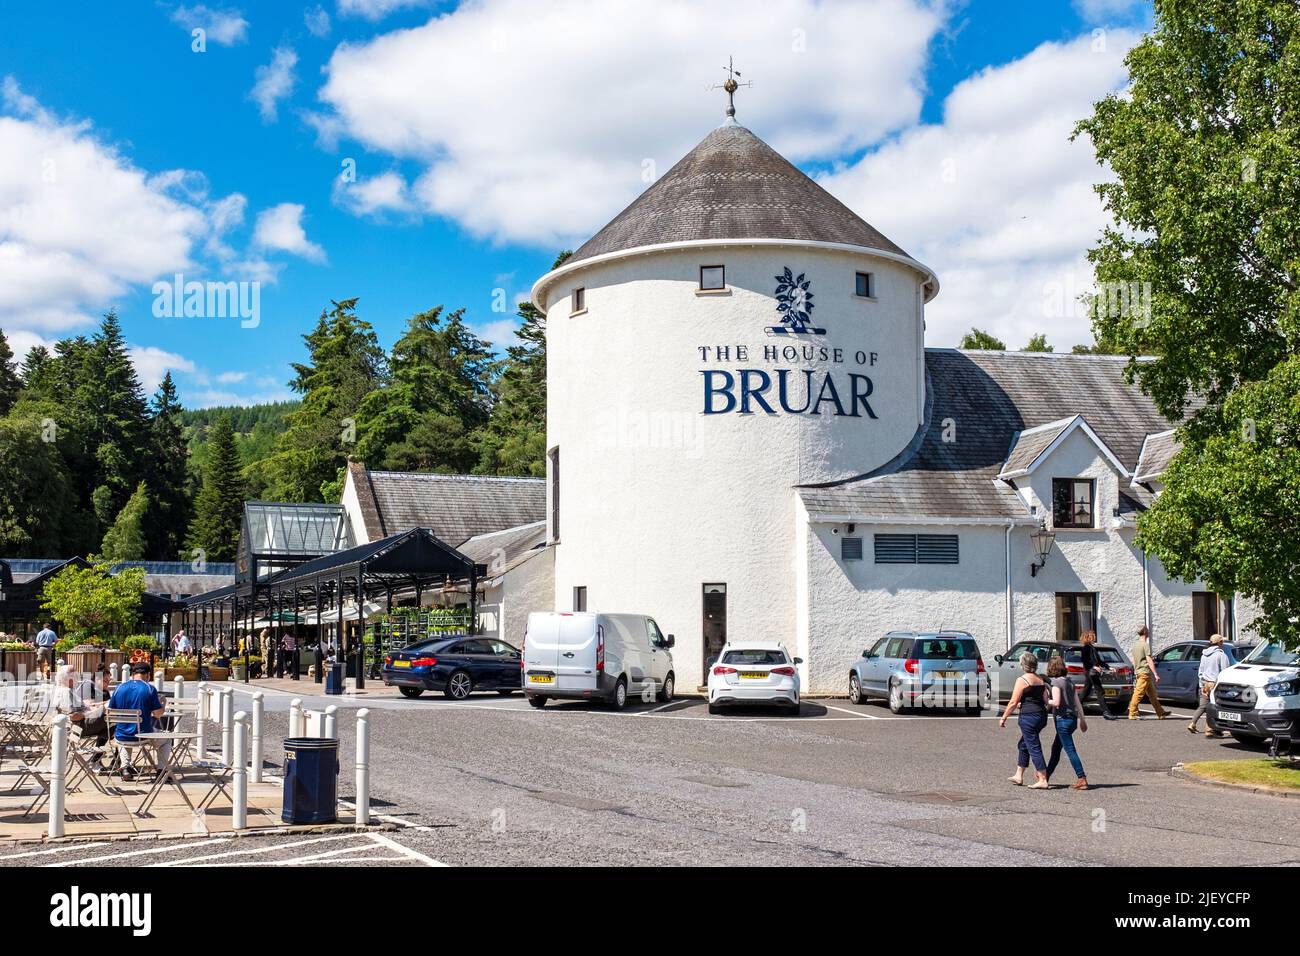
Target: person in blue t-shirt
(137, 694)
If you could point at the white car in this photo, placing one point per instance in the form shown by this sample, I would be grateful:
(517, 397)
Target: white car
(1260, 697)
(754, 672)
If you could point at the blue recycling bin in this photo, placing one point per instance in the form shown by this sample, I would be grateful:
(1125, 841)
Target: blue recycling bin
(311, 777)
(334, 679)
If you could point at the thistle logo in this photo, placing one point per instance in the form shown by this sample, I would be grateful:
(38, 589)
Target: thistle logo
(76, 909)
(794, 303)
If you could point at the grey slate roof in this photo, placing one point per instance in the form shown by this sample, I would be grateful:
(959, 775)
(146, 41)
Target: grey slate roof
(1032, 442)
(1157, 452)
(733, 186)
(454, 507)
(990, 396)
(503, 550)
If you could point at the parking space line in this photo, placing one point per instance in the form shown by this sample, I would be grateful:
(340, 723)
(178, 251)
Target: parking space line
(404, 850)
(301, 860)
(58, 849)
(169, 847)
(843, 710)
(261, 849)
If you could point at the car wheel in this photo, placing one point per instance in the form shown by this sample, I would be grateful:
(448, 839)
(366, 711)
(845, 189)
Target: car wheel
(537, 701)
(459, 685)
(714, 709)
(618, 700)
(666, 692)
(896, 705)
(856, 695)
(411, 691)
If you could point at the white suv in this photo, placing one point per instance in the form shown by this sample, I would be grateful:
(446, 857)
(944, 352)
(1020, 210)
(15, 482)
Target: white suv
(754, 672)
(1260, 697)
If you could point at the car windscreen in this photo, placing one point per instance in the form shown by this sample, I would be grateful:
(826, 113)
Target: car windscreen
(945, 649)
(754, 657)
(1272, 653)
(1107, 655)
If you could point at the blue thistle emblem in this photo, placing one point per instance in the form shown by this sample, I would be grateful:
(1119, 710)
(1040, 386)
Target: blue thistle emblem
(794, 303)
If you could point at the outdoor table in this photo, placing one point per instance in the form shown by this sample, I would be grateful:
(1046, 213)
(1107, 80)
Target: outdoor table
(170, 770)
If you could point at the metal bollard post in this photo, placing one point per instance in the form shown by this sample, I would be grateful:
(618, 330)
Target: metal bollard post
(201, 724)
(363, 766)
(227, 723)
(295, 718)
(58, 773)
(239, 813)
(257, 737)
(331, 722)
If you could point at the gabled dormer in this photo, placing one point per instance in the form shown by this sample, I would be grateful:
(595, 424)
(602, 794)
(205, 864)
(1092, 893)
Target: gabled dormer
(1067, 475)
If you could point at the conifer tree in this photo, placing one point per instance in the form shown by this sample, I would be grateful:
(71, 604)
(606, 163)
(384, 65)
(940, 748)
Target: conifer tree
(219, 508)
(125, 540)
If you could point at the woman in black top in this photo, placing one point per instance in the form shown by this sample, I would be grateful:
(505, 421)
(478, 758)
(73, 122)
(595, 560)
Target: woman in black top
(1093, 665)
(1030, 695)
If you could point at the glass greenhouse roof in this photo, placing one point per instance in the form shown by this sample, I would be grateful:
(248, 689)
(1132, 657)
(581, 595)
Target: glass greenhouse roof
(284, 529)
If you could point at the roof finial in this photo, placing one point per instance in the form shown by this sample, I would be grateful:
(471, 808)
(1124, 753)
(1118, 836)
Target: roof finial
(731, 86)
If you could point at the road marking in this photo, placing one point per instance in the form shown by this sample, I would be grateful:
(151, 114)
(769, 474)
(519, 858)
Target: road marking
(405, 850)
(261, 849)
(854, 713)
(299, 860)
(57, 849)
(168, 848)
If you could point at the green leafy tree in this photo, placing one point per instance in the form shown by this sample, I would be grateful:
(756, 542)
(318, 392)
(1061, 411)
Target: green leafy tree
(979, 339)
(219, 509)
(93, 600)
(168, 478)
(514, 440)
(1202, 264)
(1229, 514)
(126, 540)
(1038, 344)
(9, 383)
(426, 416)
(35, 496)
(345, 365)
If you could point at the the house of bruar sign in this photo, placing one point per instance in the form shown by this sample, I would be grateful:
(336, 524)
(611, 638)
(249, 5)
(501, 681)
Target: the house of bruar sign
(778, 386)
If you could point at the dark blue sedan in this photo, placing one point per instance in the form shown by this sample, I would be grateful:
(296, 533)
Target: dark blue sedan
(1179, 665)
(457, 666)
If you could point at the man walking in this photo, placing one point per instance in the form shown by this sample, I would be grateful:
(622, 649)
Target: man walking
(1213, 662)
(1147, 678)
(45, 641)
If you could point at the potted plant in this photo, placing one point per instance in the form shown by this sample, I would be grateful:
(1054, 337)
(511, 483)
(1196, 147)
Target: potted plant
(91, 651)
(19, 659)
(140, 647)
(181, 665)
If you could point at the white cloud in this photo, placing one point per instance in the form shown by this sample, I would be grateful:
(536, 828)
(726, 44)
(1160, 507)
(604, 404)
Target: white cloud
(274, 82)
(222, 26)
(208, 397)
(317, 21)
(280, 227)
(376, 9)
(996, 198)
(500, 333)
(552, 156)
(230, 378)
(21, 342)
(387, 192)
(152, 363)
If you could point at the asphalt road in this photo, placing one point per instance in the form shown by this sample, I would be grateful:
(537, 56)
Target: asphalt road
(491, 781)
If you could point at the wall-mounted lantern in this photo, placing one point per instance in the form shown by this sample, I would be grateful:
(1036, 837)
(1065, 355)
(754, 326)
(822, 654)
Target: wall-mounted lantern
(1042, 539)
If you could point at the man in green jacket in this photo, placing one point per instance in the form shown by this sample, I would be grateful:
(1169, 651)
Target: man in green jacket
(1147, 678)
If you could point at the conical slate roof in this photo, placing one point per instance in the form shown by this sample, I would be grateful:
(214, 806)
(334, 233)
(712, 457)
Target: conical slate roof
(733, 186)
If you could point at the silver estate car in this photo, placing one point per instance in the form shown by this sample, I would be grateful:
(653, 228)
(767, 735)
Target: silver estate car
(930, 669)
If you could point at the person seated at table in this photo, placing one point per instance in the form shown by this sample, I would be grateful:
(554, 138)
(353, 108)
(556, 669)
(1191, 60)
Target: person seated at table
(137, 694)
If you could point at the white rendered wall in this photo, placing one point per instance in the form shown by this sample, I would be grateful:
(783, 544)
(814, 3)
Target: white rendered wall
(658, 499)
(526, 588)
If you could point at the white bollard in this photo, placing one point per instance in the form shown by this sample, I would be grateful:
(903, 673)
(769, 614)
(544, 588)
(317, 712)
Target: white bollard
(201, 724)
(239, 813)
(227, 711)
(331, 721)
(257, 737)
(295, 718)
(112, 672)
(158, 681)
(180, 687)
(363, 766)
(58, 773)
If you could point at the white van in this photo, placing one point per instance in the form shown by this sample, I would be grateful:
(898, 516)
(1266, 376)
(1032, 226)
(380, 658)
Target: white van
(1260, 697)
(581, 656)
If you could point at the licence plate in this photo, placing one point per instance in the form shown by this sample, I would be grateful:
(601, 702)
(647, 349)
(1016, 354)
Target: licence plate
(947, 675)
(1229, 716)
(401, 663)
(754, 675)
(1112, 692)
(541, 678)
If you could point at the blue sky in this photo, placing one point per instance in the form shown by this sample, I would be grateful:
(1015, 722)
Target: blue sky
(487, 136)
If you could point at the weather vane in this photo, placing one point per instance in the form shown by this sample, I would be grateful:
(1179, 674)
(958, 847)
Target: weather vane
(731, 86)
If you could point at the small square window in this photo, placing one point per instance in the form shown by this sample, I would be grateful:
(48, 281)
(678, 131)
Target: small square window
(850, 549)
(579, 300)
(1072, 502)
(865, 285)
(713, 278)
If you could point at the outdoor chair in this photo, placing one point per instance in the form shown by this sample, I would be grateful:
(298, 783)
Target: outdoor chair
(82, 749)
(177, 711)
(128, 751)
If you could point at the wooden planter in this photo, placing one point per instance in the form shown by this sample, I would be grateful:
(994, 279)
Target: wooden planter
(84, 662)
(189, 673)
(21, 664)
(217, 673)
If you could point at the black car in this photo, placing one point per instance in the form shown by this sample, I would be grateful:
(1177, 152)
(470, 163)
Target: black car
(457, 666)
(1179, 668)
